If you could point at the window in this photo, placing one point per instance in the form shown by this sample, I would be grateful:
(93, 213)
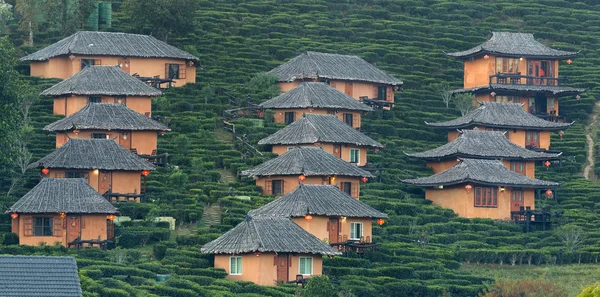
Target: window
(532, 138)
(42, 226)
(121, 100)
(507, 65)
(517, 196)
(354, 156)
(356, 231)
(348, 119)
(235, 265)
(347, 188)
(89, 62)
(94, 99)
(305, 265)
(74, 174)
(290, 117)
(509, 99)
(382, 93)
(518, 167)
(175, 71)
(486, 197)
(277, 187)
(99, 136)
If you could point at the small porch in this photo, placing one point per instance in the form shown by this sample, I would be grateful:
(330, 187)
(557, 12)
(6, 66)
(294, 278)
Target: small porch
(105, 244)
(120, 197)
(364, 244)
(518, 79)
(158, 159)
(376, 103)
(156, 81)
(532, 219)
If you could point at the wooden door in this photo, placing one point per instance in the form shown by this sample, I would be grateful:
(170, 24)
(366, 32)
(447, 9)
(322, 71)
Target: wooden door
(516, 200)
(348, 89)
(125, 65)
(334, 230)
(533, 69)
(104, 181)
(283, 268)
(125, 140)
(337, 150)
(73, 227)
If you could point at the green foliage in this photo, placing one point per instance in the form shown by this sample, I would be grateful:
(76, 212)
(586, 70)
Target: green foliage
(318, 286)
(591, 291)
(524, 288)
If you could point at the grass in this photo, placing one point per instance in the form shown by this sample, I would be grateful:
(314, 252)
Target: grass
(571, 277)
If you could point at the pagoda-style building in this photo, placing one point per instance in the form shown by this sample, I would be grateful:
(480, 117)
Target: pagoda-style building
(327, 132)
(516, 68)
(307, 165)
(269, 251)
(316, 98)
(325, 212)
(521, 127)
(481, 144)
(101, 84)
(109, 168)
(130, 129)
(482, 189)
(151, 59)
(349, 74)
(63, 210)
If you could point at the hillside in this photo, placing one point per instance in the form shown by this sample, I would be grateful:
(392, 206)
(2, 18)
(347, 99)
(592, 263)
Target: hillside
(237, 39)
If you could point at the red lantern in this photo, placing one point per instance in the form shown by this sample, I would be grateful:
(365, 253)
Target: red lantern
(364, 179)
(145, 172)
(14, 215)
(45, 171)
(110, 217)
(569, 61)
(548, 192)
(486, 57)
(493, 94)
(302, 177)
(547, 164)
(62, 215)
(468, 188)
(380, 222)
(308, 217)
(376, 150)
(257, 253)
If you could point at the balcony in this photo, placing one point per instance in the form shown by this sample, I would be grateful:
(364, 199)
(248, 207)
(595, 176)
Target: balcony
(357, 246)
(518, 79)
(376, 103)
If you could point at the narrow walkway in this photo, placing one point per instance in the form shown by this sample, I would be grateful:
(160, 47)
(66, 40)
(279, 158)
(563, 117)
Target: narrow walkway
(588, 171)
(211, 215)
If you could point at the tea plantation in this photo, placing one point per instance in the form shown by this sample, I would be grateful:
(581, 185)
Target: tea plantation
(423, 246)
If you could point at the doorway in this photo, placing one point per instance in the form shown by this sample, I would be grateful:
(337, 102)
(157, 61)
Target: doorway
(337, 150)
(73, 227)
(283, 267)
(541, 104)
(334, 230)
(104, 181)
(125, 140)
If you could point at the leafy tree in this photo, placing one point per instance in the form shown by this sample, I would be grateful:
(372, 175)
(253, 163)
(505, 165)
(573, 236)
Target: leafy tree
(66, 16)
(444, 90)
(6, 14)
(30, 16)
(591, 291)
(464, 103)
(318, 286)
(263, 86)
(161, 18)
(572, 236)
(524, 288)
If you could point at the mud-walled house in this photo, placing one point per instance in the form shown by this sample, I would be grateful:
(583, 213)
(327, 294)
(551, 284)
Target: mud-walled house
(327, 132)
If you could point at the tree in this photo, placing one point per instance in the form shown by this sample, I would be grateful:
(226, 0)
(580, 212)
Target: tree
(572, 236)
(318, 286)
(66, 16)
(6, 14)
(445, 92)
(161, 18)
(464, 103)
(263, 86)
(30, 16)
(591, 291)
(524, 288)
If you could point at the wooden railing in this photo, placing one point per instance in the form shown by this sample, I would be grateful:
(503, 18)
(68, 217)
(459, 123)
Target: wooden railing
(119, 197)
(376, 103)
(531, 218)
(518, 79)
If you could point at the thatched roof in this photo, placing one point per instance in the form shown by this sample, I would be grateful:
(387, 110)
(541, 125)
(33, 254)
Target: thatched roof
(519, 89)
(103, 154)
(514, 44)
(483, 145)
(315, 95)
(320, 200)
(106, 116)
(259, 234)
(312, 65)
(309, 161)
(68, 195)
(102, 80)
(36, 276)
(501, 115)
(313, 128)
(486, 172)
(92, 43)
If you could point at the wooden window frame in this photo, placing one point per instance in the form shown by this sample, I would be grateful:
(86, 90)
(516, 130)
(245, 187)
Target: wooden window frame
(94, 99)
(178, 71)
(353, 230)
(486, 197)
(520, 197)
(530, 136)
(281, 187)
(349, 119)
(305, 259)
(503, 65)
(287, 115)
(99, 136)
(345, 188)
(356, 154)
(46, 228)
(238, 265)
(518, 167)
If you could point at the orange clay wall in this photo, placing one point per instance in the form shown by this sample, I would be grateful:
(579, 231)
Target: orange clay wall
(291, 182)
(438, 167)
(529, 167)
(354, 89)
(523, 100)
(63, 67)
(261, 269)
(144, 141)
(123, 182)
(279, 116)
(318, 227)
(477, 72)
(93, 228)
(328, 147)
(517, 137)
(462, 203)
(68, 105)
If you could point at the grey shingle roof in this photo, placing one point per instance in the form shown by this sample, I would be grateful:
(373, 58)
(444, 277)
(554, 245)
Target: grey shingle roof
(312, 65)
(69, 195)
(37, 276)
(323, 200)
(315, 95)
(319, 128)
(102, 80)
(262, 234)
(106, 116)
(553, 90)
(309, 161)
(93, 43)
(483, 144)
(515, 44)
(501, 115)
(103, 154)
(488, 172)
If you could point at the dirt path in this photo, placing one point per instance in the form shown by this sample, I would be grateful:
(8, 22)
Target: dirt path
(588, 171)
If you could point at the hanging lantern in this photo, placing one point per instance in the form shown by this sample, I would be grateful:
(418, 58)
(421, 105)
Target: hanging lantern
(493, 94)
(380, 222)
(547, 164)
(145, 172)
(62, 215)
(308, 217)
(561, 134)
(468, 188)
(76, 131)
(71, 57)
(302, 177)
(14, 215)
(110, 217)
(45, 171)
(549, 193)
(376, 150)
(521, 59)
(577, 97)
(364, 179)
(162, 132)
(569, 61)
(486, 57)
(257, 253)
(502, 189)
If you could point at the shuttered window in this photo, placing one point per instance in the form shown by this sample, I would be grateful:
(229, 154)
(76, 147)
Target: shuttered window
(27, 226)
(57, 227)
(235, 265)
(175, 71)
(486, 197)
(305, 265)
(110, 229)
(42, 226)
(354, 192)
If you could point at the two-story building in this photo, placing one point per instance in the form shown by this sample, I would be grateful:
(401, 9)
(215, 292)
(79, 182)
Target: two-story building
(327, 132)
(349, 74)
(481, 144)
(475, 188)
(514, 67)
(143, 55)
(521, 127)
(307, 165)
(316, 98)
(101, 84)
